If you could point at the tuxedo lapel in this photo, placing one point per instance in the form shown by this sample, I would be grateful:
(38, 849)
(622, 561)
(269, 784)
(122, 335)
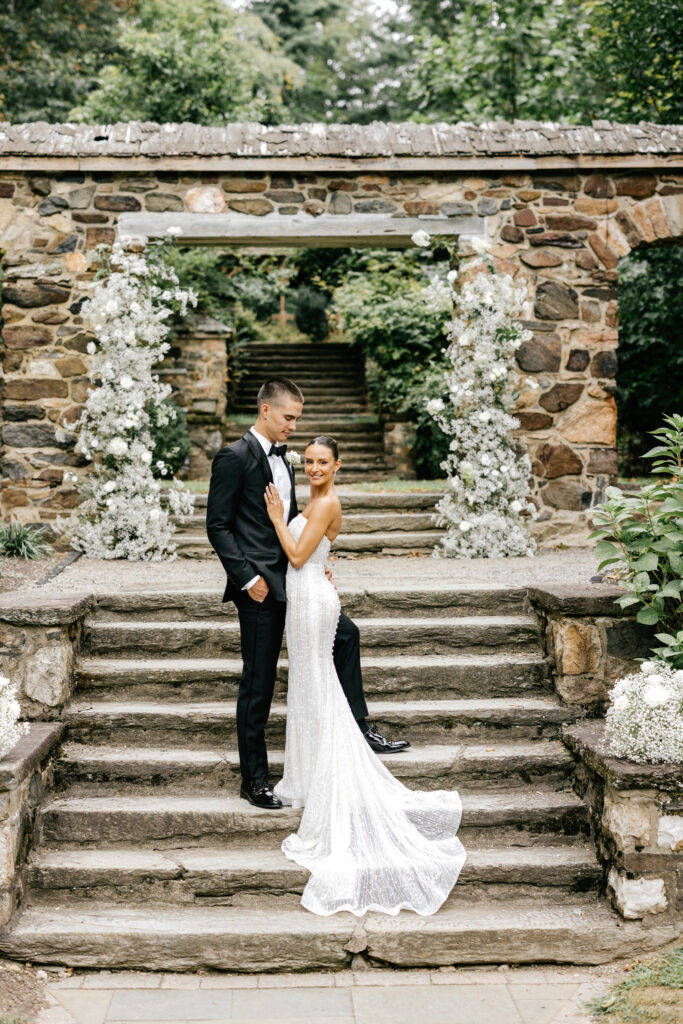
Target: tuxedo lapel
(260, 456)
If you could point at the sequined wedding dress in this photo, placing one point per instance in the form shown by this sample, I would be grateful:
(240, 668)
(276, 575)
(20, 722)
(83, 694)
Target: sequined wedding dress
(368, 841)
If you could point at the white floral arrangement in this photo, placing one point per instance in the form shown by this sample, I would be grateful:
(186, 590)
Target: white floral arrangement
(122, 515)
(293, 458)
(488, 470)
(644, 721)
(11, 729)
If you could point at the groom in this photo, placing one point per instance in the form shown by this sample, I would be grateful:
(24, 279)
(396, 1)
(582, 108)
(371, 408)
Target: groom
(245, 540)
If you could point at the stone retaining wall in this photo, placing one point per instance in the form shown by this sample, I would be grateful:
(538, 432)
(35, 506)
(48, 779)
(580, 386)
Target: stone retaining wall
(25, 776)
(589, 640)
(39, 642)
(563, 231)
(637, 816)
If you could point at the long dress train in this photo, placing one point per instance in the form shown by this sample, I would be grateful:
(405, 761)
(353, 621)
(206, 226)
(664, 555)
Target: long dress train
(369, 842)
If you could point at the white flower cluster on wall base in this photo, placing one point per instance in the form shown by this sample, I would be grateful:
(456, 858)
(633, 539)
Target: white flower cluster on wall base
(645, 718)
(122, 515)
(11, 730)
(488, 470)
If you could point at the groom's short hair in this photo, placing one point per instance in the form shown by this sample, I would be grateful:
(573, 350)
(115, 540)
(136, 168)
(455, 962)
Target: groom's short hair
(276, 389)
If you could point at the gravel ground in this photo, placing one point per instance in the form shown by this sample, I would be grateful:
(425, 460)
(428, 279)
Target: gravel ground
(573, 566)
(22, 991)
(16, 573)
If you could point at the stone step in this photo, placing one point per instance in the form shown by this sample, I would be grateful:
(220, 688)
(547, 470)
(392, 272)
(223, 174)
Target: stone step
(250, 940)
(324, 404)
(404, 677)
(368, 522)
(213, 877)
(364, 501)
(116, 770)
(195, 545)
(381, 635)
(393, 600)
(204, 723)
(519, 816)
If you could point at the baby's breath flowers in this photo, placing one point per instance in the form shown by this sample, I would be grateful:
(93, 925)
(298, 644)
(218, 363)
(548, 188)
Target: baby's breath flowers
(644, 721)
(488, 470)
(122, 514)
(11, 729)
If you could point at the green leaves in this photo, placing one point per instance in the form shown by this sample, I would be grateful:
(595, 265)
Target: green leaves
(643, 534)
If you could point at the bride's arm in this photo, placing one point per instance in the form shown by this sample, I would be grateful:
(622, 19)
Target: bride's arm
(299, 551)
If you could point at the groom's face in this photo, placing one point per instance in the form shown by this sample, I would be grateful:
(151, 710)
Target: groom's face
(280, 419)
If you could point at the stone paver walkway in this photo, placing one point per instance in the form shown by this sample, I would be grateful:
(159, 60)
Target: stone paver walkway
(448, 996)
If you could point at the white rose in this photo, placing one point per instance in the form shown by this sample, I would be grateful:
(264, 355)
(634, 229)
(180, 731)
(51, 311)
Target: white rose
(621, 702)
(485, 459)
(516, 505)
(154, 513)
(452, 276)
(434, 406)
(648, 667)
(174, 231)
(484, 417)
(91, 348)
(656, 694)
(126, 382)
(117, 447)
(109, 487)
(465, 526)
(293, 458)
(420, 238)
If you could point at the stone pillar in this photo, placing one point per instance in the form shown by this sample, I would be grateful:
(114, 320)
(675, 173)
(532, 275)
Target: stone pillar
(197, 369)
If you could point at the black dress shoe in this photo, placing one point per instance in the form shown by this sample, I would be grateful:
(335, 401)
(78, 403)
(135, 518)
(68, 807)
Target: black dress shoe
(259, 793)
(381, 745)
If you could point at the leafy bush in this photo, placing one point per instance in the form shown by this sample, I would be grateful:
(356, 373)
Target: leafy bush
(650, 352)
(393, 313)
(642, 537)
(27, 541)
(171, 440)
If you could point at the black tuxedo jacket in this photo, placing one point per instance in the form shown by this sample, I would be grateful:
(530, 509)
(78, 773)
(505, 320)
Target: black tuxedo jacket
(237, 523)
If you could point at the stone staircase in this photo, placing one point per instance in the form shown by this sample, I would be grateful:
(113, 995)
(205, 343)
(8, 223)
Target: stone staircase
(148, 858)
(374, 523)
(332, 378)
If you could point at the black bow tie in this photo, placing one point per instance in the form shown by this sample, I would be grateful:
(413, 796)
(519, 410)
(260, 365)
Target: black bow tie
(278, 449)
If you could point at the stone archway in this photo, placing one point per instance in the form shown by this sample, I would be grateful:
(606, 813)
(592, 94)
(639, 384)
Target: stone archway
(561, 205)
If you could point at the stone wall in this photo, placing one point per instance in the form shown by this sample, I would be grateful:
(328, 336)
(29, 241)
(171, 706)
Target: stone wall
(590, 641)
(39, 642)
(25, 776)
(562, 231)
(637, 816)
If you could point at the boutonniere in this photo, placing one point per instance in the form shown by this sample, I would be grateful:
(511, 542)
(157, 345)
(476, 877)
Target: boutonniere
(293, 458)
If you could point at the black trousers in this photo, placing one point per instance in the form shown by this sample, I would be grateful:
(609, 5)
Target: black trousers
(261, 629)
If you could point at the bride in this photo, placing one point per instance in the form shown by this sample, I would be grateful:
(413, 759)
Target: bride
(368, 841)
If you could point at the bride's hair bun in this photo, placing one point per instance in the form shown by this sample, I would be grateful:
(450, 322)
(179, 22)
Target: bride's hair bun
(326, 442)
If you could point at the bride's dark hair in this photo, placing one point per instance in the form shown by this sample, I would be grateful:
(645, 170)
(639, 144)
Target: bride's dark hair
(326, 442)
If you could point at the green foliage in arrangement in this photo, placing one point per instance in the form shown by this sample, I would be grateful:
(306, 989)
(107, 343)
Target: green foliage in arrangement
(200, 62)
(509, 59)
(52, 52)
(641, 537)
(638, 58)
(651, 991)
(171, 440)
(650, 374)
(23, 541)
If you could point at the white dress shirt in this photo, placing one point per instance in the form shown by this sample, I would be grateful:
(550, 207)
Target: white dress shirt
(281, 479)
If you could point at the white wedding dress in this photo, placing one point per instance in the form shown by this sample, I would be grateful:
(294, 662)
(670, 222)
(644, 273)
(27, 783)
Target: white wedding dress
(368, 841)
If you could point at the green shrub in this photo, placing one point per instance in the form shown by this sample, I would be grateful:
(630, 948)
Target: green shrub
(171, 440)
(27, 541)
(650, 376)
(642, 537)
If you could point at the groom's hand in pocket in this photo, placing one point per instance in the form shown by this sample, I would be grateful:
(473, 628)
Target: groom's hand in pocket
(259, 592)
